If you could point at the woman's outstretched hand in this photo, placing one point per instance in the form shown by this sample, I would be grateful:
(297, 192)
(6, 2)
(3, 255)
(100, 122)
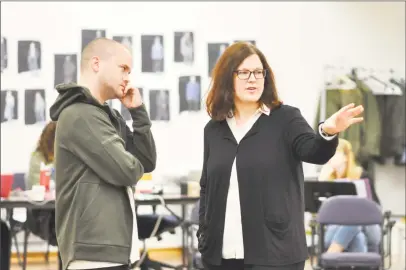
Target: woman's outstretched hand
(343, 119)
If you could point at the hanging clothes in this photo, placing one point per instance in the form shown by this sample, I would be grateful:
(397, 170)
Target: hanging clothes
(364, 137)
(371, 134)
(335, 100)
(402, 119)
(392, 115)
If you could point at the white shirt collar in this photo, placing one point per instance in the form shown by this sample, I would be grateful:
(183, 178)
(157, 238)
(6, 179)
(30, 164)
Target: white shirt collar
(264, 109)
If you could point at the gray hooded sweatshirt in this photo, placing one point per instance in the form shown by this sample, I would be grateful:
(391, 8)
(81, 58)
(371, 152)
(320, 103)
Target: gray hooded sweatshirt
(97, 161)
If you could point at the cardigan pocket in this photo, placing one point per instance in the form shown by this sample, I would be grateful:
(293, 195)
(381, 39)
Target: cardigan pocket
(278, 228)
(275, 205)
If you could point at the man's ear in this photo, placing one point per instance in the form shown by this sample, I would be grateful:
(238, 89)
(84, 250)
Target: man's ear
(95, 63)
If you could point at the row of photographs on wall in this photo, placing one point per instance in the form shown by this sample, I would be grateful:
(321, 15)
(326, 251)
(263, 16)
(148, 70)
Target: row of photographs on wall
(159, 102)
(152, 51)
(35, 106)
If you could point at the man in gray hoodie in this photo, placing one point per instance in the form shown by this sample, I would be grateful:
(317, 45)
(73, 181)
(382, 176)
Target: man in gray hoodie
(98, 161)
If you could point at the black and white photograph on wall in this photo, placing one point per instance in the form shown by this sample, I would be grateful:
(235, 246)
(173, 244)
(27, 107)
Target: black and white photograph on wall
(152, 48)
(159, 105)
(4, 55)
(184, 47)
(35, 106)
(125, 112)
(9, 105)
(189, 93)
(249, 41)
(215, 50)
(65, 68)
(29, 55)
(125, 40)
(91, 34)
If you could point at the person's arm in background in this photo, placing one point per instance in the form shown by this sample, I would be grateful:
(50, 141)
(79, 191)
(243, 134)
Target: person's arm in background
(326, 171)
(140, 141)
(33, 176)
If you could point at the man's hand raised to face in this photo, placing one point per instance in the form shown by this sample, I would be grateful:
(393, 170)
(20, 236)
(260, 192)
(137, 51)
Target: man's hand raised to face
(131, 97)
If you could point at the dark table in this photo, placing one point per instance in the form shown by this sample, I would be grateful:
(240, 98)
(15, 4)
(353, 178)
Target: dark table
(143, 199)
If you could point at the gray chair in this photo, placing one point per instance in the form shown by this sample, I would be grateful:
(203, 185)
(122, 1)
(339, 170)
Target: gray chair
(353, 211)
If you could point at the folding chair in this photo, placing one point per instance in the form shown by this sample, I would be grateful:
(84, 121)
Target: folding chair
(146, 225)
(352, 211)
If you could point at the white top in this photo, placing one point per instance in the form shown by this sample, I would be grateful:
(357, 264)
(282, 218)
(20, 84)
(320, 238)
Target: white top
(233, 245)
(135, 244)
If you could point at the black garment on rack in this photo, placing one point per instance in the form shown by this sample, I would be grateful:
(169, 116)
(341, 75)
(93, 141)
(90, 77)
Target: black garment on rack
(392, 113)
(401, 85)
(400, 159)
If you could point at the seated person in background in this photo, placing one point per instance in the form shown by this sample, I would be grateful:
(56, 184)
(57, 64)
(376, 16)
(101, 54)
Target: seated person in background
(41, 222)
(349, 238)
(44, 153)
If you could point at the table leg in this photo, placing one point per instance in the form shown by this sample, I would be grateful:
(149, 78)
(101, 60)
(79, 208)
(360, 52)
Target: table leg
(184, 254)
(26, 234)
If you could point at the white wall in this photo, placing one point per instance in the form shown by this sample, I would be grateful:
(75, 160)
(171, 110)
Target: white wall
(298, 39)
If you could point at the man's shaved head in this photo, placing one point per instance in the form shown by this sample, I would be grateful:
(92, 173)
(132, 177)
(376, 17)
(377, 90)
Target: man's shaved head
(105, 68)
(100, 47)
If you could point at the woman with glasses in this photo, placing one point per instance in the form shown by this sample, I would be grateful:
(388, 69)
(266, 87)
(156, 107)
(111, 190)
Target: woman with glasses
(251, 213)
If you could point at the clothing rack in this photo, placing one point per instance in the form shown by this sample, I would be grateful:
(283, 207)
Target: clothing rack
(328, 72)
(385, 84)
(331, 71)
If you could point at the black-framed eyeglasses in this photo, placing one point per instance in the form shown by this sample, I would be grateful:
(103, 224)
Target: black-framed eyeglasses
(246, 74)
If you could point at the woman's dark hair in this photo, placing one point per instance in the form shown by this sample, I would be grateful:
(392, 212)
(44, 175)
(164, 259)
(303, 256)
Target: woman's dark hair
(220, 99)
(46, 142)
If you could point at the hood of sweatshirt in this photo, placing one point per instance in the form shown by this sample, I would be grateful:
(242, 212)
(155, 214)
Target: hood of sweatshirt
(72, 93)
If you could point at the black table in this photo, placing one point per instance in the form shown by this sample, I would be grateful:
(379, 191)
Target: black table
(143, 199)
(147, 200)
